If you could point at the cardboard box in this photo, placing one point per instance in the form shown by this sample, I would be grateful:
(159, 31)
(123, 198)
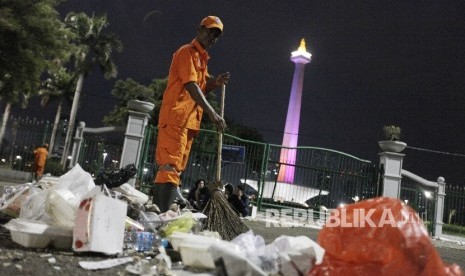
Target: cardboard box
(99, 225)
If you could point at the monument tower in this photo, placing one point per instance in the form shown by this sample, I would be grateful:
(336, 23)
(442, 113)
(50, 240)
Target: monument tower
(291, 130)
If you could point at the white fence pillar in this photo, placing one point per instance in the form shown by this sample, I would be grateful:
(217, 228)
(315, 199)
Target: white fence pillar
(439, 210)
(80, 131)
(135, 131)
(77, 144)
(392, 165)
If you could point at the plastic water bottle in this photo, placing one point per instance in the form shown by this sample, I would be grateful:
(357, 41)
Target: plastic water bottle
(159, 241)
(130, 240)
(144, 241)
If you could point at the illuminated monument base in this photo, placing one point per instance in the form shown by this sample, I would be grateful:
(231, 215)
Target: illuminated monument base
(284, 192)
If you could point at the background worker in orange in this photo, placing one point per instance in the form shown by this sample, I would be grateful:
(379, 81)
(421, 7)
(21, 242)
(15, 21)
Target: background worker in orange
(182, 107)
(40, 157)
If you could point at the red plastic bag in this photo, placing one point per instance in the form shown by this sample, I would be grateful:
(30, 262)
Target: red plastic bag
(380, 236)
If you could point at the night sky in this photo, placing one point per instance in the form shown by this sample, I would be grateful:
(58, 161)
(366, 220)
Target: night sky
(373, 63)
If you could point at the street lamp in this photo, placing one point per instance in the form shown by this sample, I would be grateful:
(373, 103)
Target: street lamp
(104, 157)
(428, 196)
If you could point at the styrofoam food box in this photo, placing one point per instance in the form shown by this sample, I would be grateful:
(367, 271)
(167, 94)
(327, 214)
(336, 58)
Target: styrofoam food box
(196, 255)
(99, 225)
(36, 234)
(177, 238)
(194, 249)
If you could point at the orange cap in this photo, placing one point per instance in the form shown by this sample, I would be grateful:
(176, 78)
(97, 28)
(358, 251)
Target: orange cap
(212, 22)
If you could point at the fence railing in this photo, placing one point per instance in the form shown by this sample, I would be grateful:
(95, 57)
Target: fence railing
(98, 149)
(21, 137)
(322, 177)
(426, 198)
(454, 210)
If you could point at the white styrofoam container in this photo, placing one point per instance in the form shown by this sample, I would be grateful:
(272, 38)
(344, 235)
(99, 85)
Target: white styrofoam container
(36, 234)
(177, 238)
(99, 225)
(196, 255)
(195, 249)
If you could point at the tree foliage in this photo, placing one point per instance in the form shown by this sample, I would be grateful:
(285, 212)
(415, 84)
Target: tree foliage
(126, 90)
(32, 38)
(244, 132)
(93, 45)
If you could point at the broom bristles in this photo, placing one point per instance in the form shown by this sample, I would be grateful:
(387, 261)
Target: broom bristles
(221, 217)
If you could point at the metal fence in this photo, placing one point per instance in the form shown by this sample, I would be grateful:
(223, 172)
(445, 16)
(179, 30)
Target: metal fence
(21, 137)
(454, 210)
(322, 176)
(101, 151)
(421, 199)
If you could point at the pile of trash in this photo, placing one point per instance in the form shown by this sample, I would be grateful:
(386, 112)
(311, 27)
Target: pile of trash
(113, 218)
(75, 212)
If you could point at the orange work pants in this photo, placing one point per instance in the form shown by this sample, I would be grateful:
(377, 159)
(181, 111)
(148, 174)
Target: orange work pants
(173, 148)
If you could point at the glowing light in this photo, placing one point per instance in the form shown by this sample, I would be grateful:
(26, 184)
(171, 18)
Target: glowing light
(301, 51)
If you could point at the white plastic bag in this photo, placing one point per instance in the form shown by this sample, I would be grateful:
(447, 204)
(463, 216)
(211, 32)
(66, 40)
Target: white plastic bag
(76, 180)
(12, 199)
(230, 259)
(33, 208)
(132, 194)
(63, 199)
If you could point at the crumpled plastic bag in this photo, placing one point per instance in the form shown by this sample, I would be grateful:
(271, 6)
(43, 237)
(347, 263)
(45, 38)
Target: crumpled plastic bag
(286, 255)
(393, 241)
(295, 253)
(131, 194)
(33, 208)
(182, 224)
(230, 261)
(12, 198)
(63, 199)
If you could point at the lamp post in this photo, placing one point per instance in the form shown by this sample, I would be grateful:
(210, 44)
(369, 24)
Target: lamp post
(428, 196)
(104, 157)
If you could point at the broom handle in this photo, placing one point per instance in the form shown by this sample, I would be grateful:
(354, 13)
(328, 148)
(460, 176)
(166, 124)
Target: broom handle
(220, 136)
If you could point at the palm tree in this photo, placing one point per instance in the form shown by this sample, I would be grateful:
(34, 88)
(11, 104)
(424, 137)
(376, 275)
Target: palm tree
(32, 36)
(93, 47)
(58, 87)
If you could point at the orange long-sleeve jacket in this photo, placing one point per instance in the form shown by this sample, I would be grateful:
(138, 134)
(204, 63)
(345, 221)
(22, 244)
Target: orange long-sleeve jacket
(178, 108)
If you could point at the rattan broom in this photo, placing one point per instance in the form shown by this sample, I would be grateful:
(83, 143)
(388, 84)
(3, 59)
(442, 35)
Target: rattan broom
(221, 217)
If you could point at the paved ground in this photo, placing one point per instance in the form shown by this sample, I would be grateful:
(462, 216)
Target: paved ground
(17, 260)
